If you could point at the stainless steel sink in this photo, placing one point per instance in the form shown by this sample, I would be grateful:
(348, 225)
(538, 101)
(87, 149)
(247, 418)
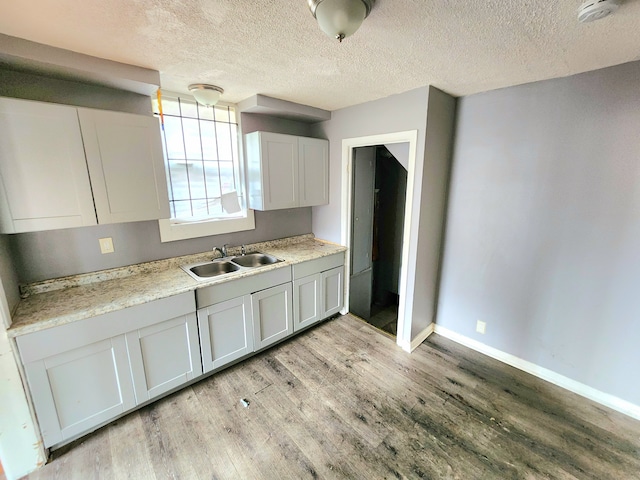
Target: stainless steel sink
(229, 265)
(213, 269)
(255, 259)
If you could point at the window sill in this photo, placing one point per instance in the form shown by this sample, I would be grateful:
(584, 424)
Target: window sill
(183, 231)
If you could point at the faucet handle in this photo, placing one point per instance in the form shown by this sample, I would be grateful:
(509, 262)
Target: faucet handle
(244, 249)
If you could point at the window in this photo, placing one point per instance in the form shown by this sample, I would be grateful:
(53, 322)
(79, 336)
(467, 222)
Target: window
(204, 171)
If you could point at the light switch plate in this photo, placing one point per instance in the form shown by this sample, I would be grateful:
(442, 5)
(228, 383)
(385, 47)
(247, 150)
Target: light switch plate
(481, 327)
(106, 245)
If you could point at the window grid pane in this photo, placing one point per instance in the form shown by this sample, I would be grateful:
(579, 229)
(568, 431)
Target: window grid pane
(201, 151)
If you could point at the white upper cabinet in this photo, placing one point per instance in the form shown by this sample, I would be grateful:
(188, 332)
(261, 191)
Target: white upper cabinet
(63, 167)
(272, 170)
(285, 171)
(313, 171)
(44, 182)
(126, 166)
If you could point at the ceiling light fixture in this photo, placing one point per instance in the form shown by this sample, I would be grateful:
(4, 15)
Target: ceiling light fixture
(340, 18)
(207, 95)
(593, 10)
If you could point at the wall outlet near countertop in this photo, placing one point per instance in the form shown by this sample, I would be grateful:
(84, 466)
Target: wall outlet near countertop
(481, 327)
(106, 245)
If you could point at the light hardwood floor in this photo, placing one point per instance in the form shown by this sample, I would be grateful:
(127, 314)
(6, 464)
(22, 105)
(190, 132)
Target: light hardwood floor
(342, 401)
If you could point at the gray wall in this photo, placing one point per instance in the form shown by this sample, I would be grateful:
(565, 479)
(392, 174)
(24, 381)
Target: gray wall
(56, 253)
(407, 111)
(8, 276)
(396, 113)
(543, 227)
(42, 255)
(441, 113)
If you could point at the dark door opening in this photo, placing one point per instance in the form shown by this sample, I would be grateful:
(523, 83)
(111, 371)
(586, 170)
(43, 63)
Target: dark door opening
(379, 193)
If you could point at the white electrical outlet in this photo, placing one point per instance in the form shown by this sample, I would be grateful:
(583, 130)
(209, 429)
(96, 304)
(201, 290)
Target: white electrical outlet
(481, 327)
(106, 245)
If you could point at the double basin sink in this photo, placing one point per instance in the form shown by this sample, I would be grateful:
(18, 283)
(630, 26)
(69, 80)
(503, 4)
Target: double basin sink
(226, 265)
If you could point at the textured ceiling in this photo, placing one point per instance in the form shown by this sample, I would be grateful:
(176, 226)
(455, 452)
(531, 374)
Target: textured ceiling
(274, 47)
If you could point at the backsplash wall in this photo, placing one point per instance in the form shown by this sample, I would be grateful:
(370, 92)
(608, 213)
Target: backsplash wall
(58, 253)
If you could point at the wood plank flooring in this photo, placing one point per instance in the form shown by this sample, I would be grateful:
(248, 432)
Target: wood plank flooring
(342, 401)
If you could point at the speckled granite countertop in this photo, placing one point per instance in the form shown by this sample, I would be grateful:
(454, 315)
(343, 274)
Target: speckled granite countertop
(59, 301)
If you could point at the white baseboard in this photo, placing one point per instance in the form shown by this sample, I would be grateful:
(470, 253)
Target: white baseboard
(421, 337)
(586, 391)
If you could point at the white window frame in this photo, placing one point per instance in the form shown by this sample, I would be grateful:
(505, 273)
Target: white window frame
(171, 231)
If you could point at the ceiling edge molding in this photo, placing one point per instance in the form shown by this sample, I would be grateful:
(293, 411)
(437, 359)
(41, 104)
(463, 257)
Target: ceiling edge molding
(46, 60)
(283, 109)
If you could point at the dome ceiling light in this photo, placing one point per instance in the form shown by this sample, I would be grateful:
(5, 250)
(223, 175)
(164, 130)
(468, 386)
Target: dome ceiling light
(340, 18)
(207, 95)
(593, 10)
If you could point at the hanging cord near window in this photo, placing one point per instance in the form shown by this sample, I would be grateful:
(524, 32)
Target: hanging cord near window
(159, 97)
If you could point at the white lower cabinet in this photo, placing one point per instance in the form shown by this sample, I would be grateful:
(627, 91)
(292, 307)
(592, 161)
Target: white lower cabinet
(226, 332)
(164, 356)
(332, 291)
(82, 388)
(307, 301)
(241, 316)
(272, 311)
(85, 373)
(318, 290)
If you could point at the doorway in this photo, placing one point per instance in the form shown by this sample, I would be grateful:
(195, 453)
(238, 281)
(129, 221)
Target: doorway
(379, 186)
(409, 243)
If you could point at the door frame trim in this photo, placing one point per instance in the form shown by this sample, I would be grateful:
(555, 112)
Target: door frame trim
(348, 145)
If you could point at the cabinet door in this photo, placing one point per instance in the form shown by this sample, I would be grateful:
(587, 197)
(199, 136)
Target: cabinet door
(332, 291)
(272, 315)
(307, 301)
(44, 182)
(164, 356)
(313, 154)
(279, 156)
(77, 390)
(226, 332)
(126, 165)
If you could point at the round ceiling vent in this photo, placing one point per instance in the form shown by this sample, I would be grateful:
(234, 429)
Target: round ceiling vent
(596, 9)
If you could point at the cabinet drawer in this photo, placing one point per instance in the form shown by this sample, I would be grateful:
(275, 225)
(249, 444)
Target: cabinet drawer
(243, 286)
(318, 265)
(42, 344)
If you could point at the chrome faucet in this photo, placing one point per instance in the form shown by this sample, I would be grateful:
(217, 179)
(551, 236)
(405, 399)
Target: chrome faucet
(223, 250)
(244, 249)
